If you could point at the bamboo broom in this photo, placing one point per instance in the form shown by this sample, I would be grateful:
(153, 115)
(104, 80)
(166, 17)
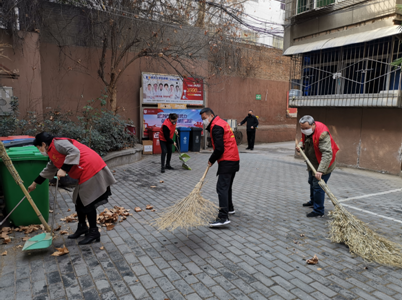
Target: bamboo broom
(361, 240)
(191, 211)
(9, 164)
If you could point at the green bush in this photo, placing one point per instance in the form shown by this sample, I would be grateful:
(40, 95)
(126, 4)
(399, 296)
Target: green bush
(98, 128)
(9, 121)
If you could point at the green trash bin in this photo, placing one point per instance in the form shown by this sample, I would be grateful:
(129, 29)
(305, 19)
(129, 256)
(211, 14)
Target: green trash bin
(28, 162)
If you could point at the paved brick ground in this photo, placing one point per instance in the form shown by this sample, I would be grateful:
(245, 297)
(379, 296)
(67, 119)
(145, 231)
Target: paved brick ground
(261, 255)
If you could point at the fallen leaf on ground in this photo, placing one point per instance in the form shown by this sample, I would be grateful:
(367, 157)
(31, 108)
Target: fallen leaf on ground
(137, 209)
(26, 238)
(70, 218)
(19, 246)
(153, 210)
(102, 248)
(319, 269)
(63, 232)
(161, 181)
(61, 251)
(50, 211)
(6, 229)
(109, 227)
(57, 228)
(302, 235)
(149, 206)
(153, 186)
(313, 261)
(4, 253)
(6, 240)
(68, 210)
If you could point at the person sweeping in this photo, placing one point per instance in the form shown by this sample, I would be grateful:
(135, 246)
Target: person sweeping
(166, 134)
(321, 150)
(226, 154)
(85, 165)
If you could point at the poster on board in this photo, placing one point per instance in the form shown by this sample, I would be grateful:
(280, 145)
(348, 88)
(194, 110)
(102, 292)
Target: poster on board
(160, 88)
(156, 117)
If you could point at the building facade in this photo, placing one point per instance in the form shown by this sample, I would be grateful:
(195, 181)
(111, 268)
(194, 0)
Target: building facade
(342, 74)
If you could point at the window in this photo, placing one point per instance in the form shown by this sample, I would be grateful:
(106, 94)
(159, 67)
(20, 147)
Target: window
(307, 5)
(277, 42)
(356, 69)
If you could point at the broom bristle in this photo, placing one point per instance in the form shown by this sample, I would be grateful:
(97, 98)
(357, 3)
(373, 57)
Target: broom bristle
(361, 240)
(190, 212)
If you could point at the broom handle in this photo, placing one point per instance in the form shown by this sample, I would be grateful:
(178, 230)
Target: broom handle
(322, 183)
(205, 174)
(8, 163)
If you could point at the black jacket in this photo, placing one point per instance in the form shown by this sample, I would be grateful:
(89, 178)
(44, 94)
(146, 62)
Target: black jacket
(225, 167)
(251, 121)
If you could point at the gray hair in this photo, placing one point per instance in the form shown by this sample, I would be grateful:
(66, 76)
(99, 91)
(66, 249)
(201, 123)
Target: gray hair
(308, 119)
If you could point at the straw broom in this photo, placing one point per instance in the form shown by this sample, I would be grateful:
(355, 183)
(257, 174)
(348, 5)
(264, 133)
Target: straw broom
(361, 240)
(9, 164)
(191, 211)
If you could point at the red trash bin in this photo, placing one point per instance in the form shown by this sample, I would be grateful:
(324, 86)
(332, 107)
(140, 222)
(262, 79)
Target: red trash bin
(153, 134)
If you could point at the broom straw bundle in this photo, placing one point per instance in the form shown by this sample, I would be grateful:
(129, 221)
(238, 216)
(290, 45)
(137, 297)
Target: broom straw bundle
(361, 240)
(191, 211)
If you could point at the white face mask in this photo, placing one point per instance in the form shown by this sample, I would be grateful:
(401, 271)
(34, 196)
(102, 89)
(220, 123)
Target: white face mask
(44, 153)
(206, 122)
(307, 131)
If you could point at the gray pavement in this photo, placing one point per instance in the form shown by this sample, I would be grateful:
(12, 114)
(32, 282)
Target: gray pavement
(260, 255)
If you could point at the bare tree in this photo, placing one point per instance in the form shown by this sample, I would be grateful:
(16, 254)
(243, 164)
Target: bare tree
(179, 33)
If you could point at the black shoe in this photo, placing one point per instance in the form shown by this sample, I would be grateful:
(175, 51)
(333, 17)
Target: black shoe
(232, 212)
(81, 229)
(163, 170)
(219, 222)
(247, 148)
(169, 167)
(308, 204)
(93, 235)
(314, 215)
(252, 149)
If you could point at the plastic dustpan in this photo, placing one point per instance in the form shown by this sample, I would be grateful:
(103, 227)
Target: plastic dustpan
(43, 240)
(40, 241)
(184, 157)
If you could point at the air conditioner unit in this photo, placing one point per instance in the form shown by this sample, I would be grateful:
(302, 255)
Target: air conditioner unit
(6, 95)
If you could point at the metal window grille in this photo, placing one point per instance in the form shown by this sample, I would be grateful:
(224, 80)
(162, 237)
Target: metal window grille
(355, 75)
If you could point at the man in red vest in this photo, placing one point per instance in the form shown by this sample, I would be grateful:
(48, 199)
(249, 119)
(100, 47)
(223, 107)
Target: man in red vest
(227, 155)
(166, 135)
(320, 149)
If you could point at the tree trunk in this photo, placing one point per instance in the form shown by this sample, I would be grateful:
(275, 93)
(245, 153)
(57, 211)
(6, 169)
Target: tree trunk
(112, 95)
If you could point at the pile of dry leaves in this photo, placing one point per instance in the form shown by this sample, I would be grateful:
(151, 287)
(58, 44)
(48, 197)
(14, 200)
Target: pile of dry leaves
(110, 216)
(5, 231)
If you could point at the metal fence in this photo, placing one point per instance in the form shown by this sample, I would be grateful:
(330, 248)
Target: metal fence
(354, 75)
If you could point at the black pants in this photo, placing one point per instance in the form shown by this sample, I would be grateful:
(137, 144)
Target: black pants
(251, 138)
(224, 190)
(166, 149)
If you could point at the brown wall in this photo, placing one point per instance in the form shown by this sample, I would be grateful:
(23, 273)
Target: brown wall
(232, 98)
(55, 77)
(26, 63)
(368, 138)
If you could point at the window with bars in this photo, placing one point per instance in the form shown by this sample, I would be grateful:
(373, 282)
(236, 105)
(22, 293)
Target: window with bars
(306, 5)
(356, 69)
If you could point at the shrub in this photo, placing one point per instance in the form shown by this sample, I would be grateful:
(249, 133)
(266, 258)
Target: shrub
(98, 128)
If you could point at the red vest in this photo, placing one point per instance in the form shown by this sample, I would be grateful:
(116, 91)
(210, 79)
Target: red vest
(171, 127)
(231, 152)
(319, 129)
(90, 161)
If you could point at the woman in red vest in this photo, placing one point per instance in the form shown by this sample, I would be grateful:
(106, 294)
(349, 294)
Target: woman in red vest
(85, 165)
(166, 134)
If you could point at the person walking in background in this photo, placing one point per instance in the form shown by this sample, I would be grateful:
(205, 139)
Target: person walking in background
(227, 155)
(320, 149)
(252, 123)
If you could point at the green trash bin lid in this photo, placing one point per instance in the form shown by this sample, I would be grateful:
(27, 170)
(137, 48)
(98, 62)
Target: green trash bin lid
(25, 154)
